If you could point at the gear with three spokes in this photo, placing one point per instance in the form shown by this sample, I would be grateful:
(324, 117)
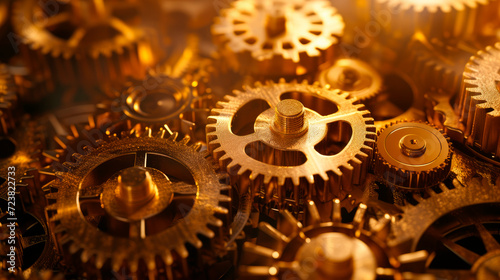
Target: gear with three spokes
(287, 142)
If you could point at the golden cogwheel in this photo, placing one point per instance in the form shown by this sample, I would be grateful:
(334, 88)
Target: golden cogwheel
(290, 141)
(82, 42)
(134, 202)
(8, 100)
(157, 101)
(441, 19)
(279, 38)
(412, 155)
(324, 248)
(354, 76)
(445, 223)
(480, 100)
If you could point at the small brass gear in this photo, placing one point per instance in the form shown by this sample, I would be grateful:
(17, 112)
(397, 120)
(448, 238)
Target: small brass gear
(479, 104)
(134, 202)
(323, 248)
(412, 156)
(354, 76)
(8, 100)
(286, 142)
(79, 42)
(155, 102)
(443, 19)
(279, 38)
(442, 222)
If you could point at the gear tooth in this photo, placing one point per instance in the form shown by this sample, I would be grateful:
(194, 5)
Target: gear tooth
(167, 258)
(84, 257)
(134, 265)
(197, 146)
(224, 198)
(116, 264)
(295, 181)
(220, 210)
(73, 248)
(181, 250)
(173, 137)
(215, 222)
(69, 165)
(150, 263)
(206, 232)
(185, 140)
(281, 180)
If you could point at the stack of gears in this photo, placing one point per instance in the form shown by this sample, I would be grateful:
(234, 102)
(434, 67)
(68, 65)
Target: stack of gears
(250, 139)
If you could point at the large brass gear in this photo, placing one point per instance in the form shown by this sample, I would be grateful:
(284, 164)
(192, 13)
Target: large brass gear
(412, 155)
(444, 19)
(80, 42)
(129, 185)
(443, 221)
(8, 100)
(279, 38)
(286, 153)
(354, 76)
(324, 248)
(479, 104)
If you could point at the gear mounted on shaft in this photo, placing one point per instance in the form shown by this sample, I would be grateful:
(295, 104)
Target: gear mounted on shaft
(412, 156)
(287, 142)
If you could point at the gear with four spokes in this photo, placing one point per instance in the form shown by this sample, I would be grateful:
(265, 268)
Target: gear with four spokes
(133, 203)
(412, 156)
(290, 141)
(279, 38)
(479, 104)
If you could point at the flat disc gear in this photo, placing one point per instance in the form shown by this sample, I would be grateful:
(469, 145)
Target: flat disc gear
(291, 141)
(412, 155)
(480, 100)
(112, 205)
(279, 38)
(354, 76)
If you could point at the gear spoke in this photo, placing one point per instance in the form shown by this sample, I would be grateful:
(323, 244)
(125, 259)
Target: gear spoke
(28, 241)
(140, 159)
(77, 37)
(56, 20)
(183, 188)
(490, 243)
(465, 254)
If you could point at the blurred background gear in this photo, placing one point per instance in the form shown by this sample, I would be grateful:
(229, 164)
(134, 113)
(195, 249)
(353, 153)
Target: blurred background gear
(288, 142)
(412, 155)
(322, 249)
(443, 19)
(138, 199)
(82, 42)
(155, 102)
(479, 106)
(274, 39)
(354, 76)
(8, 100)
(458, 227)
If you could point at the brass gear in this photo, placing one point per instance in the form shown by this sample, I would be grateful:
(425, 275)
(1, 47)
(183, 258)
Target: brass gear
(78, 42)
(479, 104)
(435, 65)
(155, 102)
(444, 19)
(279, 38)
(446, 218)
(323, 151)
(412, 156)
(123, 183)
(323, 248)
(8, 100)
(354, 76)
